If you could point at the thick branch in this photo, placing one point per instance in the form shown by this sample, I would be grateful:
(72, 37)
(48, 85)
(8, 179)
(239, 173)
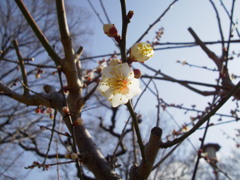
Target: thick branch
(142, 172)
(71, 60)
(64, 30)
(30, 100)
(91, 157)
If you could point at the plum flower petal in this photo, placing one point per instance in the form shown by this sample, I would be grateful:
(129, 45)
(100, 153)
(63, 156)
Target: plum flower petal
(141, 52)
(118, 84)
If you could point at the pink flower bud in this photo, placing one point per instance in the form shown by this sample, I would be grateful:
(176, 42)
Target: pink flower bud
(137, 73)
(38, 110)
(65, 109)
(37, 75)
(110, 30)
(130, 14)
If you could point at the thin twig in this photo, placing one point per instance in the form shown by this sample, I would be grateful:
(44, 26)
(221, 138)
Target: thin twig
(145, 89)
(201, 147)
(105, 12)
(205, 133)
(22, 67)
(90, 93)
(224, 7)
(165, 157)
(47, 165)
(156, 21)
(58, 132)
(219, 24)
(204, 118)
(51, 137)
(94, 10)
(230, 31)
(135, 160)
(136, 127)
(158, 105)
(125, 22)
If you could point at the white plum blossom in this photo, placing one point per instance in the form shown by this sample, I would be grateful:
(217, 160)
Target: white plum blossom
(141, 52)
(118, 84)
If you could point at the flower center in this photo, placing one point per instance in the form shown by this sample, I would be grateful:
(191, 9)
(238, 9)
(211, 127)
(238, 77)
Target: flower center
(118, 83)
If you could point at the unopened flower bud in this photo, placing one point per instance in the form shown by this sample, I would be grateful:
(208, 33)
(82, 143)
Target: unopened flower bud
(130, 14)
(38, 110)
(78, 122)
(65, 109)
(42, 110)
(59, 67)
(141, 52)
(42, 127)
(51, 116)
(37, 75)
(110, 30)
(74, 156)
(137, 73)
(29, 59)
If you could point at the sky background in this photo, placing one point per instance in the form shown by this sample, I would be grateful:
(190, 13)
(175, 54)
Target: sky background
(197, 14)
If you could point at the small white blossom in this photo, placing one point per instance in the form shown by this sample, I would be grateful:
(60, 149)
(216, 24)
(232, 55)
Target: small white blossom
(141, 52)
(118, 84)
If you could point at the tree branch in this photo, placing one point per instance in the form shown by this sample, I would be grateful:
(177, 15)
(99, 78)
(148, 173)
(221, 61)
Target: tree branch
(210, 54)
(142, 172)
(38, 32)
(156, 21)
(204, 118)
(64, 30)
(30, 100)
(23, 70)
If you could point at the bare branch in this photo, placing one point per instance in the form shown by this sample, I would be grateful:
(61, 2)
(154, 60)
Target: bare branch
(64, 30)
(32, 100)
(210, 54)
(136, 127)
(38, 32)
(219, 26)
(204, 118)
(23, 70)
(156, 21)
(142, 172)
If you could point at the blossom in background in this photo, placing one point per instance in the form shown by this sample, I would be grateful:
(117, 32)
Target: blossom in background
(110, 30)
(118, 84)
(141, 52)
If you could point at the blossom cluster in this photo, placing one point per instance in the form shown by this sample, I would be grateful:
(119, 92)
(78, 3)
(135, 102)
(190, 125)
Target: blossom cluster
(119, 82)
